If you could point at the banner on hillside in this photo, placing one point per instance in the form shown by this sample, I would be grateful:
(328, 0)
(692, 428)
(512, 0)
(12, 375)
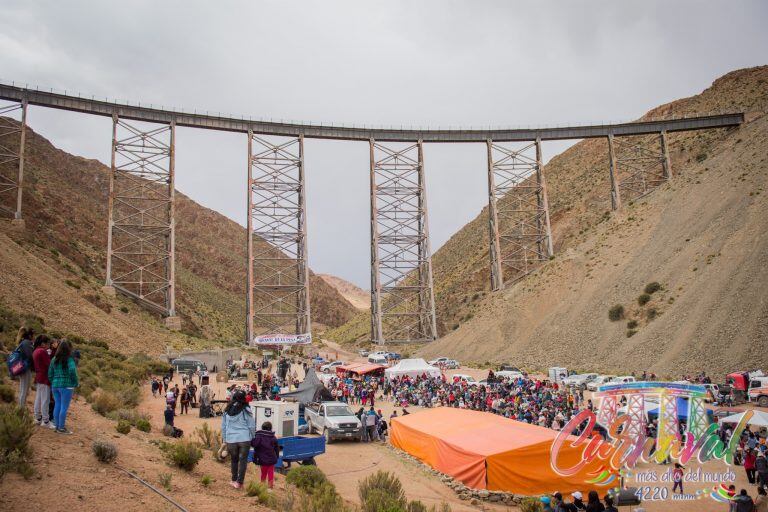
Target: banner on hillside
(282, 339)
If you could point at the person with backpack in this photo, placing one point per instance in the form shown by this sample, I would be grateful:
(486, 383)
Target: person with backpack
(266, 452)
(64, 379)
(20, 362)
(238, 427)
(42, 362)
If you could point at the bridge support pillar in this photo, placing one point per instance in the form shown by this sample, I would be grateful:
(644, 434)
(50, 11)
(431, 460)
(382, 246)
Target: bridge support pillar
(518, 210)
(636, 166)
(402, 290)
(12, 161)
(141, 225)
(277, 272)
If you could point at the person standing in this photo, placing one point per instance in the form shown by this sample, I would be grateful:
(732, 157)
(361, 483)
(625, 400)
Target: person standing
(25, 347)
(64, 379)
(749, 464)
(761, 466)
(266, 452)
(677, 478)
(609, 504)
(593, 502)
(42, 362)
(238, 428)
(761, 502)
(744, 502)
(184, 401)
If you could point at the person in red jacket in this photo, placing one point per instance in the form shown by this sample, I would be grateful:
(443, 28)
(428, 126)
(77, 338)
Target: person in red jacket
(42, 360)
(749, 464)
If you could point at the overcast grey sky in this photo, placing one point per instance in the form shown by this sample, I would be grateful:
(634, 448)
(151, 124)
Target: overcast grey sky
(395, 62)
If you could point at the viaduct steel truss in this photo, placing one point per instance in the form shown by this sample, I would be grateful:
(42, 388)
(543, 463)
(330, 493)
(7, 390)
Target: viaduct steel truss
(278, 273)
(402, 292)
(140, 239)
(140, 246)
(12, 142)
(518, 210)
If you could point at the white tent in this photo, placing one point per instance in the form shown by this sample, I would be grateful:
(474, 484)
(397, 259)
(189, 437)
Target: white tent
(759, 419)
(412, 368)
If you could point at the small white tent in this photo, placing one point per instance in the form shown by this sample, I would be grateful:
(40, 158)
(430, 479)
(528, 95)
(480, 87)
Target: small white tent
(412, 368)
(758, 419)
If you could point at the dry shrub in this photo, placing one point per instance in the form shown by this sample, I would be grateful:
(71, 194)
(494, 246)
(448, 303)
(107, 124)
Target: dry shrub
(104, 451)
(182, 454)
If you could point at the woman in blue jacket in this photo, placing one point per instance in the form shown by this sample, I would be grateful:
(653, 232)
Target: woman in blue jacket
(238, 427)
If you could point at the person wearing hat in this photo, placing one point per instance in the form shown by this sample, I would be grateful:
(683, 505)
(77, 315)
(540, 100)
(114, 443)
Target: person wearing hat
(546, 503)
(238, 427)
(577, 504)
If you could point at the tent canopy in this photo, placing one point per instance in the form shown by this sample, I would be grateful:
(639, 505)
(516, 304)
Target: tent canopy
(412, 368)
(759, 419)
(487, 451)
(309, 390)
(359, 368)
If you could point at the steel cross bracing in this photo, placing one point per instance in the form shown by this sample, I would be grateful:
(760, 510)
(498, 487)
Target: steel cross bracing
(402, 294)
(278, 272)
(12, 135)
(520, 233)
(140, 242)
(638, 164)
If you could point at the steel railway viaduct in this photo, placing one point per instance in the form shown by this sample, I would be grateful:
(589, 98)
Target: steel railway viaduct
(140, 238)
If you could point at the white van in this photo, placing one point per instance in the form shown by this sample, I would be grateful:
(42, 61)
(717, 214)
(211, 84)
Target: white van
(378, 359)
(465, 378)
(557, 374)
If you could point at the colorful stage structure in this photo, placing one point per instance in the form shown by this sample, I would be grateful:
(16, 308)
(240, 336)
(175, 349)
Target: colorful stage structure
(668, 394)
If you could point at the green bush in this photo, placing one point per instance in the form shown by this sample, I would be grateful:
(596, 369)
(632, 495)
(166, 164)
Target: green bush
(210, 439)
(643, 299)
(16, 429)
(616, 313)
(123, 427)
(182, 454)
(324, 498)
(631, 332)
(530, 504)
(104, 451)
(631, 324)
(7, 393)
(381, 492)
(652, 288)
(207, 480)
(143, 425)
(651, 313)
(105, 402)
(259, 491)
(165, 480)
(306, 478)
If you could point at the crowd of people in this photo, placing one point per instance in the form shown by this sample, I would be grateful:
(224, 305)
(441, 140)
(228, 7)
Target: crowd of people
(52, 365)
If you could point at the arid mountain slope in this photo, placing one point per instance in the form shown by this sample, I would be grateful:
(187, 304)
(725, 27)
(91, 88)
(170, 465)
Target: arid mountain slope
(358, 297)
(579, 201)
(65, 203)
(702, 236)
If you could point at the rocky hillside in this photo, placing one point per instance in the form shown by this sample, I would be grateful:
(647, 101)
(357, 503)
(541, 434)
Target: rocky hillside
(358, 297)
(582, 221)
(65, 207)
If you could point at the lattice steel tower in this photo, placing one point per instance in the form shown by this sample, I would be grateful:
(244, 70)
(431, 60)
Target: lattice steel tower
(141, 233)
(520, 233)
(402, 296)
(12, 159)
(278, 273)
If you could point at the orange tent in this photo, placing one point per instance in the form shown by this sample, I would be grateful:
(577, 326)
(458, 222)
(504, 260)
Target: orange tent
(488, 451)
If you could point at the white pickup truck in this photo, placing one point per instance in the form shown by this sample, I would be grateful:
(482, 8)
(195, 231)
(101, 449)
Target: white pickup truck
(334, 420)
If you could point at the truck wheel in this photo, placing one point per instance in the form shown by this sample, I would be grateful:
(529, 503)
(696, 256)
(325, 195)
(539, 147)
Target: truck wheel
(328, 438)
(762, 401)
(309, 462)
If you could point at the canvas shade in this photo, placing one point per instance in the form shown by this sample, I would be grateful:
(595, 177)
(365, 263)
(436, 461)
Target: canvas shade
(488, 451)
(759, 419)
(412, 368)
(358, 368)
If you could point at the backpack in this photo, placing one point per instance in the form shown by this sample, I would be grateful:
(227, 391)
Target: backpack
(17, 363)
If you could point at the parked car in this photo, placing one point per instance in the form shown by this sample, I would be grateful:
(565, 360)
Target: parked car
(579, 379)
(363, 352)
(508, 374)
(599, 381)
(504, 367)
(394, 356)
(330, 367)
(470, 380)
(440, 361)
(378, 359)
(333, 420)
(452, 364)
(624, 379)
